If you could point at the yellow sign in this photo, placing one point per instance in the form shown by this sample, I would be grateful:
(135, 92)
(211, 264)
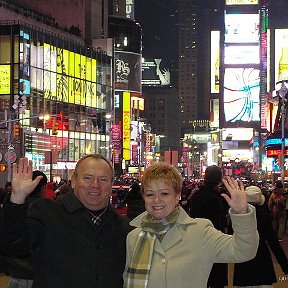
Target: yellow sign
(126, 125)
(137, 103)
(4, 79)
(75, 77)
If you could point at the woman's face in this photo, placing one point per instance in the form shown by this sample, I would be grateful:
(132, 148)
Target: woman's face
(160, 198)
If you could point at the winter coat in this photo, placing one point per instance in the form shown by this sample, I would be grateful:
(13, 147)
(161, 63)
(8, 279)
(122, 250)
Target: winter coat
(135, 204)
(208, 203)
(260, 270)
(68, 250)
(186, 253)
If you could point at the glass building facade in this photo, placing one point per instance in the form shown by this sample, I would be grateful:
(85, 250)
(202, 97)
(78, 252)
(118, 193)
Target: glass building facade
(46, 74)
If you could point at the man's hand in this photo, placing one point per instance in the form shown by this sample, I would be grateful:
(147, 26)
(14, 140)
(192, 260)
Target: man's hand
(22, 183)
(238, 197)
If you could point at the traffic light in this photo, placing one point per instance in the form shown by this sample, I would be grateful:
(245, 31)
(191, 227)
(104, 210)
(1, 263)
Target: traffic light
(16, 130)
(2, 167)
(55, 127)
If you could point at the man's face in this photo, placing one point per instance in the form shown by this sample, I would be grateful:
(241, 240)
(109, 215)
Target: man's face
(93, 183)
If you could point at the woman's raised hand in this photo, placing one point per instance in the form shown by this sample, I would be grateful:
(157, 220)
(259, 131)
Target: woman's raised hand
(237, 198)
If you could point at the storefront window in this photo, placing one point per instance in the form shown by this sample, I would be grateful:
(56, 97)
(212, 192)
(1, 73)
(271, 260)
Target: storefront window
(5, 50)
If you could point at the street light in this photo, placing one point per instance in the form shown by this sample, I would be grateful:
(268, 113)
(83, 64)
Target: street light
(282, 93)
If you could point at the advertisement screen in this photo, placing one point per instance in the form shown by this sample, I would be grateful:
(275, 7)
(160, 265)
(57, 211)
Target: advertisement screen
(241, 94)
(215, 61)
(154, 73)
(127, 71)
(126, 125)
(241, 28)
(241, 2)
(281, 54)
(242, 55)
(65, 76)
(5, 79)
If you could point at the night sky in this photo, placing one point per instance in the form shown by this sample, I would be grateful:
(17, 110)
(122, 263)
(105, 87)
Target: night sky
(154, 17)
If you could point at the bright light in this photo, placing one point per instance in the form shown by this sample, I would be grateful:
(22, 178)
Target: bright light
(44, 117)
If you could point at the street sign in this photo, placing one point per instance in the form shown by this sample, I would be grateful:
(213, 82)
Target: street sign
(13, 156)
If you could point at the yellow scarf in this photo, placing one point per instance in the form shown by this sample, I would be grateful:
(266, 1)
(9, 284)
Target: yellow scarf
(140, 263)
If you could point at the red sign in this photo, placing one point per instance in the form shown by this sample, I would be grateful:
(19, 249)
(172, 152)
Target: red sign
(274, 153)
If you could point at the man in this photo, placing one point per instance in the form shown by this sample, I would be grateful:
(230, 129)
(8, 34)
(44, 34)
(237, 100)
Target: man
(77, 240)
(208, 203)
(20, 270)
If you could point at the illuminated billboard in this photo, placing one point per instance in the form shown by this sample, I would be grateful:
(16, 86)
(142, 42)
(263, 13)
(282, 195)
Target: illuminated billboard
(5, 79)
(154, 73)
(240, 104)
(242, 54)
(127, 71)
(215, 61)
(130, 9)
(241, 28)
(241, 2)
(66, 76)
(241, 94)
(281, 54)
(126, 126)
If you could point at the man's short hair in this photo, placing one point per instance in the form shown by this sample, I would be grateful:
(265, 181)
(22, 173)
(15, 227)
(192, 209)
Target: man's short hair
(95, 157)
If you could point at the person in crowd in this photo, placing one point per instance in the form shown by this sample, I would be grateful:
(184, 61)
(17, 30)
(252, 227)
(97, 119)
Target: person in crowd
(185, 196)
(277, 205)
(63, 189)
(20, 270)
(4, 191)
(208, 203)
(169, 249)
(3, 194)
(285, 194)
(8, 187)
(134, 201)
(121, 195)
(77, 240)
(259, 272)
(49, 193)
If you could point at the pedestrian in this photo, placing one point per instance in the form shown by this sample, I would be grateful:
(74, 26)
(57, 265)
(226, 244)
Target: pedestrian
(277, 205)
(134, 201)
(77, 240)
(63, 189)
(208, 203)
(3, 194)
(20, 270)
(169, 249)
(49, 193)
(259, 271)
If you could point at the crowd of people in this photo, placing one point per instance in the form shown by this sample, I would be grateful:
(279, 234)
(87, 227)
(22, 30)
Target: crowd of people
(174, 235)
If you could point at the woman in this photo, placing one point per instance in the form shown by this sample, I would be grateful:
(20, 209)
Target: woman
(169, 249)
(260, 272)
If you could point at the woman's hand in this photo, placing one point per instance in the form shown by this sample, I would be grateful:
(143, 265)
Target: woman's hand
(238, 197)
(22, 183)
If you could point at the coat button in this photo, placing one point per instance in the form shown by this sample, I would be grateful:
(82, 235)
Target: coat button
(163, 261)
(96, 277)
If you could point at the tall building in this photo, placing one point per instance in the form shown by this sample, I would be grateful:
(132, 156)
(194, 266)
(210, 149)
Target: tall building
(195, 23)
(159, 67)
(52, 62)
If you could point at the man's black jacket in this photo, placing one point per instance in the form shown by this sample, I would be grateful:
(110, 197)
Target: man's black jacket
(68, 250)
